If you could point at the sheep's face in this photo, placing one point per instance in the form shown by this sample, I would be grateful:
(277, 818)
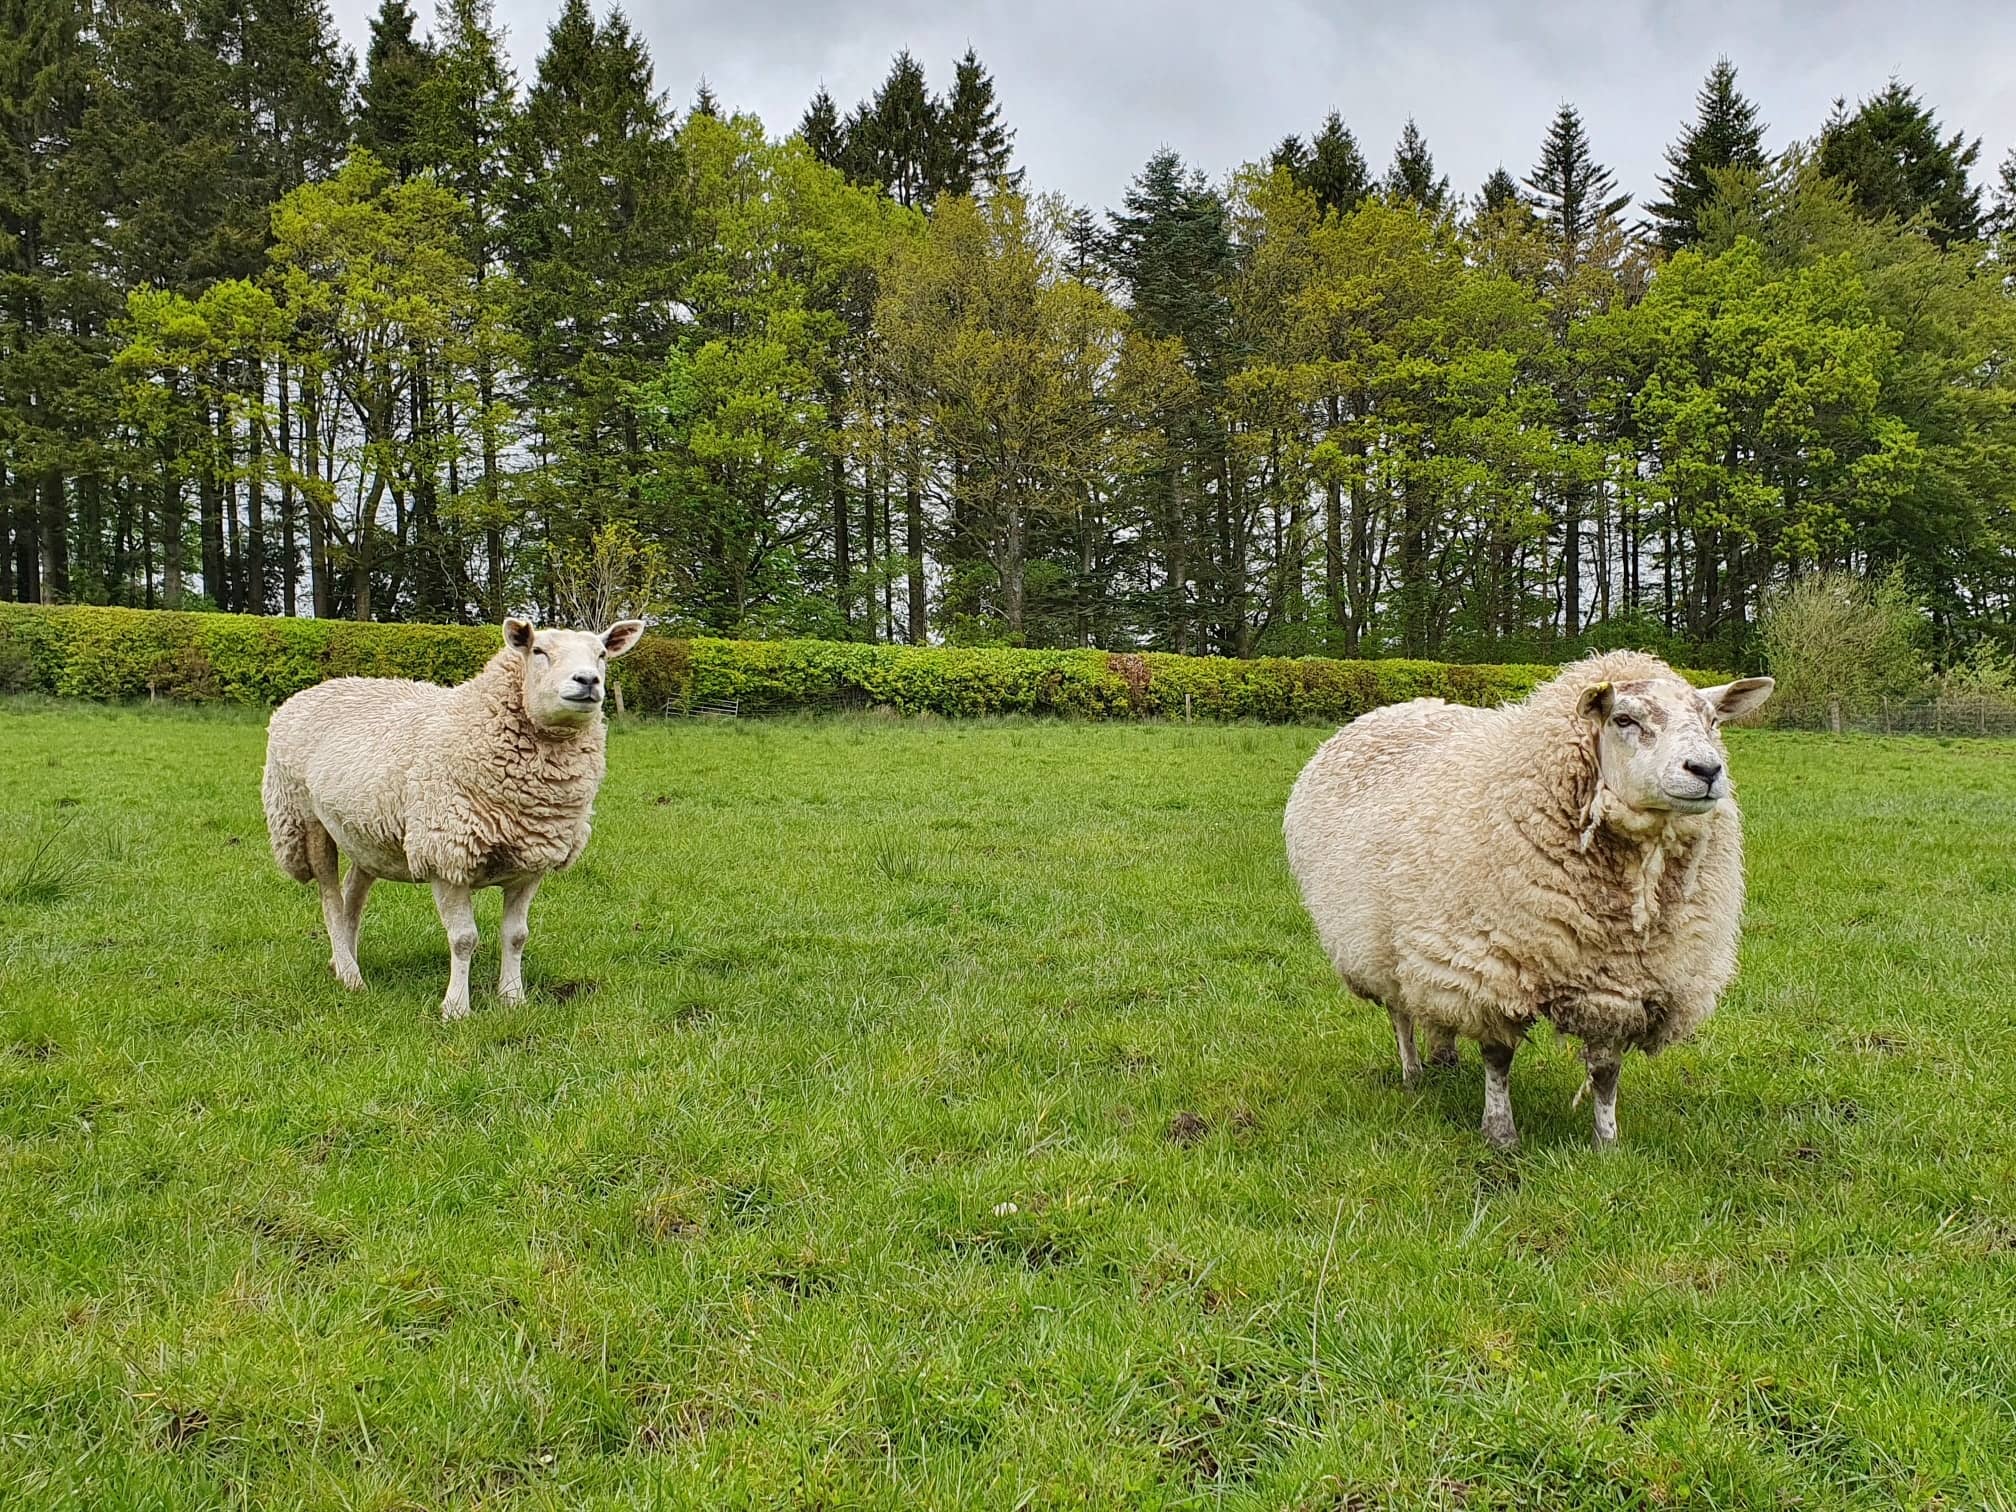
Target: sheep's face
(566, 672)
(1658, 747)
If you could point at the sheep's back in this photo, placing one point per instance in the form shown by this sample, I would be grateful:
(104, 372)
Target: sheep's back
(1352, 825)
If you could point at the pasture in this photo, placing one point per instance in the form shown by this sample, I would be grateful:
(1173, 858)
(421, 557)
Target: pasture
(936, 1114)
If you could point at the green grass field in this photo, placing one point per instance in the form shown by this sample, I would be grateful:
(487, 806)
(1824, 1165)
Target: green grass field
(932, 1114)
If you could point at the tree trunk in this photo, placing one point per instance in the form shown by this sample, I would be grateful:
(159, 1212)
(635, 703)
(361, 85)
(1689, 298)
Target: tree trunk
(171, 535)
(913, 546)
(55, 541)
(256, 584)
(1011, 568)
(290, 561)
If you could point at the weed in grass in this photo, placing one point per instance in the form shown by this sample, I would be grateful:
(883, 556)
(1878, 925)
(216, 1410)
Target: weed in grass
(49, 872)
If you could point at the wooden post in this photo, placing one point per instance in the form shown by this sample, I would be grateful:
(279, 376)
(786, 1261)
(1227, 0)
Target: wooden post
(1186, 708)
(1834, 715)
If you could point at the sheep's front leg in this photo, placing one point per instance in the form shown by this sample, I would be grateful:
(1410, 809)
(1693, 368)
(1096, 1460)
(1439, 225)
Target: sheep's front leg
(458, 917)
(1604, 1062)
(1499, 1130)
(517, 904)
(1410, 1059)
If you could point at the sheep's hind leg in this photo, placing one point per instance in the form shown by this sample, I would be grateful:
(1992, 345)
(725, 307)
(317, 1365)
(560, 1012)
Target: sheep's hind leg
(356, 890)
(1441, 1046)
(1604, 1065)
(1410, 1060)
(1499, 1130)
(517, 904)
(322, 858)
(458, 917)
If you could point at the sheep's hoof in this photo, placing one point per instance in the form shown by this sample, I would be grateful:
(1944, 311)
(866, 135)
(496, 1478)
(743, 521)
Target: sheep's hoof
(1500, 1134)
(1603, 1141)
(510, 997)
(349, 975)
(452, 1010)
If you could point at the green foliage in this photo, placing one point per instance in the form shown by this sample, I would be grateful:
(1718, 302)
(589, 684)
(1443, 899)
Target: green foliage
(1725, 134)
(110, 653)
(1891, 155)
(1835, 636)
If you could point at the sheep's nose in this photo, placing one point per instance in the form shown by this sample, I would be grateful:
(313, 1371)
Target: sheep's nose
(1707, 771)
(588, 680)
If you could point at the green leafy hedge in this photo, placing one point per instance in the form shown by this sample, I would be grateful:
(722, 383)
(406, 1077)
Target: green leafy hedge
(134, 653)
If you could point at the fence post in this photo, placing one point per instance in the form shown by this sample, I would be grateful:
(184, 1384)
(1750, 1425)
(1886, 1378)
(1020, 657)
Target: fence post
(1834, 714)
(1186, 708)
(1886, 713)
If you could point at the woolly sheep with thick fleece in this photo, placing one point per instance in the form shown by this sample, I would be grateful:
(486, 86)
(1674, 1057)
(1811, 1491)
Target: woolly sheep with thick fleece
(487, 784)
(1577, 857)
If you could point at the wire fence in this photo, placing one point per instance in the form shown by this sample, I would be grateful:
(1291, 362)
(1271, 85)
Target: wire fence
(1980, 717)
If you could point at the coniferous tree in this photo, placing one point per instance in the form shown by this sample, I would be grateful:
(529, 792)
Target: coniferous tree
(1575, 193)
(1893, 160)
(974, 149)
(822, 131)
(1412, 176)
(1726, 133)
(705, 103)
(1337, 174)
(1292, 155)
(892, 139)
(2005, 196)
(396, 66)
(1499, 190)
(593, 234)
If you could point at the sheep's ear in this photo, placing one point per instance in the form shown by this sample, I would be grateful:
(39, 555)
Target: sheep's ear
(1596, 702)
(1735, 699)
(621, 636)
(518, 634)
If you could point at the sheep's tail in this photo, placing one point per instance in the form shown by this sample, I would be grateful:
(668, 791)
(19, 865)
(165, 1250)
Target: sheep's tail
(293, 830)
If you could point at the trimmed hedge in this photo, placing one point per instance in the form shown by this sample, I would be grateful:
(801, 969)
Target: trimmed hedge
(132, 653)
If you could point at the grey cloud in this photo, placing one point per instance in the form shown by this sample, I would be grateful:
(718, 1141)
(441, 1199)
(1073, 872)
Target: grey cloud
(1092, 89)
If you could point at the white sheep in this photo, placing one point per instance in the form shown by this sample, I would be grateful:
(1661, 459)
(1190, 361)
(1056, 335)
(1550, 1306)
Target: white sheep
(1577, 857)
(487, 784)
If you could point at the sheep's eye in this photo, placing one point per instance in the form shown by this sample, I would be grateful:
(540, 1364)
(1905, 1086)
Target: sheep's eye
(539, 651)
(1626, 722)
(605, 656)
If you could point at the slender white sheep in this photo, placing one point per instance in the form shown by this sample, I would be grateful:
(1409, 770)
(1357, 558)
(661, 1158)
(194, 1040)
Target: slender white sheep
(1577, 857)
(488, 784)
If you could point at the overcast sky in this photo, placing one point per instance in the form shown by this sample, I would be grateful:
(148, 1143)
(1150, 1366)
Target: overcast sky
(1091, 88)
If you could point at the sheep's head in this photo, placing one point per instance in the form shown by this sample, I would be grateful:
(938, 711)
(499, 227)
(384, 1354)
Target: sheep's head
(1657, 744)
(564, 673)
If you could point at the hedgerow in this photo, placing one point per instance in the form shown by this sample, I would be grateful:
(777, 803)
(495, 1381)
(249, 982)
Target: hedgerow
(89, 652)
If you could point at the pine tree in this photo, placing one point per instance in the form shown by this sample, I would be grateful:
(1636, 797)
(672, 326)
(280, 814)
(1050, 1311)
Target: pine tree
(1291, 155)
(974, 148)
(396, 66)
(1893, 160)
(1574, 192)
(1412, 176)
(2005, 196)
(892, 140)
(822, 132)
(705, 103)
(1337, 174)
(1499, 190)
(594, 236)
(1726, 133)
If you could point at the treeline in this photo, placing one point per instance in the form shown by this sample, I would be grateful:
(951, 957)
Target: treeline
(281, 332)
